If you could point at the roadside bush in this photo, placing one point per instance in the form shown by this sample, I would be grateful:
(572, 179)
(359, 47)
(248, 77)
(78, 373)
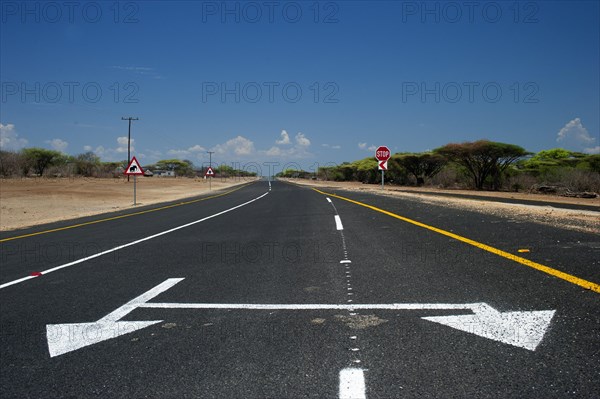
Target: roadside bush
(12, 164)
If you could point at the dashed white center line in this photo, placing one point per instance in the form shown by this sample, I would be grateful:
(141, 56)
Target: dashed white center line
(352, 380)
(338, 223)
(352, 384)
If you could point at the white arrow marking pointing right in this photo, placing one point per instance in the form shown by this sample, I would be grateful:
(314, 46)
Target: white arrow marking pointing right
(522, 329)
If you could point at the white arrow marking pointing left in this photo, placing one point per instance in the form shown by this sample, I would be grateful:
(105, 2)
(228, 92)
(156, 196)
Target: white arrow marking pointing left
(63, 338)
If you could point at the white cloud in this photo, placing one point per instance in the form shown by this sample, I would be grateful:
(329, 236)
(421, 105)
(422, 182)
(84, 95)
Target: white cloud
(239, 146)
(592, 150)
(274, 152)
(58, 144)
(575, 136)
(193, 150)
(302, 140)
(298, 150)
(363, 146)
(9, 138)
(139, 70)
(122, 147)
(333, 147)
(119, 153)
(285, 138)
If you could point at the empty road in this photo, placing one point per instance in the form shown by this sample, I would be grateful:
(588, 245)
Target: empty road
(278, 291)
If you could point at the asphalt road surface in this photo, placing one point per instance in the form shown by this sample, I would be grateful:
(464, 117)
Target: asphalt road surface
(278, 291)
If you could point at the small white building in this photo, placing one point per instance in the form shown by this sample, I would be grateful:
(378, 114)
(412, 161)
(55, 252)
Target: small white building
(164, 173)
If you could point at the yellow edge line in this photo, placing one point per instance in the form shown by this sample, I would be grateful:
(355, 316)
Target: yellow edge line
(123, 216)
(546, 269)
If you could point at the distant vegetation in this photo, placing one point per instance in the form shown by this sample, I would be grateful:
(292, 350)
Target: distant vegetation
(481, 165)
(49, 163)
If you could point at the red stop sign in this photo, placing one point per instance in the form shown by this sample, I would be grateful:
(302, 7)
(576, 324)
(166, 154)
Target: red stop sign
(382, 153)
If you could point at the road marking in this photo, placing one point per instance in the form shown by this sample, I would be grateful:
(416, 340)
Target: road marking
(64, 338)
(524, 329)
(338, 223)
(130, 244)
(346, 261)
(352, 384)
(122, 216)
(329, 200)
(526, 262)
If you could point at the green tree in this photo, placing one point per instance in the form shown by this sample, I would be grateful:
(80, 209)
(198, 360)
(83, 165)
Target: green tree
(422, 166)
(181, 168)
(366, 170)
(483, 159)
(87, 163)
(594, 162)
(40, 158)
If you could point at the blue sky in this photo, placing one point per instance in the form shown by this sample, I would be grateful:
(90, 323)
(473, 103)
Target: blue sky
(305, 82)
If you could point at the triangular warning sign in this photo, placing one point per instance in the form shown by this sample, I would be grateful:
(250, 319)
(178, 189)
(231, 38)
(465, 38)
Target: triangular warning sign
(134, 168)
(209, 172)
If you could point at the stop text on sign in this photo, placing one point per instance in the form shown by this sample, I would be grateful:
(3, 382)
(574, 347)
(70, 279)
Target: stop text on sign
(382, 153)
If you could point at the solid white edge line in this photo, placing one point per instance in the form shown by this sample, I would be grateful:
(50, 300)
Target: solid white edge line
(352, 384)
(338, 223)
(130, 244)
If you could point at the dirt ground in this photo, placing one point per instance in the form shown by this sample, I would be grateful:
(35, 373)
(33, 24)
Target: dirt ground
(579, 220)
(34, 201)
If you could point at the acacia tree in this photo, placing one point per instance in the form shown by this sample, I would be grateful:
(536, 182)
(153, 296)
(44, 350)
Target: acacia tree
(181, 168)
(422, 166)
(40, 158)
(482, 159)
(87, 163)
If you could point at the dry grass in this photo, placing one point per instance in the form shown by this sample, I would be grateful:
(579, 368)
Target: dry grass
(33, 201)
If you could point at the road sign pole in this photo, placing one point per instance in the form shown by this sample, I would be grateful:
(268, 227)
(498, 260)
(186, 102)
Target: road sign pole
(134, 168)
(382, 154)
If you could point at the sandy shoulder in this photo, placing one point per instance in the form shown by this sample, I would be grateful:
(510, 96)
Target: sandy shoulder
(579, 220)
(31, 202)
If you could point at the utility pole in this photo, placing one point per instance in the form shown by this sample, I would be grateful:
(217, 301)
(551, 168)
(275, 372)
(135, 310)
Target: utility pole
(129, 138)
(210, 166)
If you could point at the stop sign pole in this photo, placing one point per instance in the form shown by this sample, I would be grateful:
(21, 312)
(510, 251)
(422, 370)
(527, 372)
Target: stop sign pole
(382, 154)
